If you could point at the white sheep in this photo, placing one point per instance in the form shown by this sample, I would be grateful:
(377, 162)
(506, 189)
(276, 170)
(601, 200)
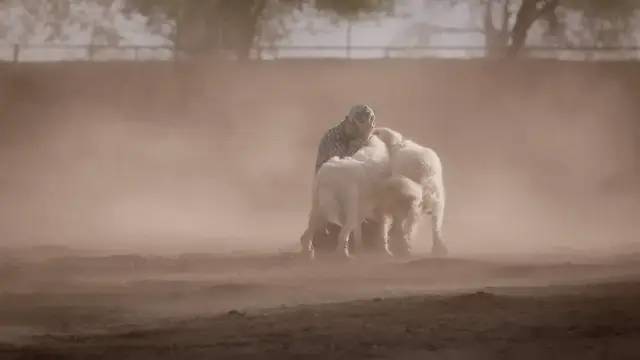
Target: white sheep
(421, 165)
(401, 199)
(344, 193)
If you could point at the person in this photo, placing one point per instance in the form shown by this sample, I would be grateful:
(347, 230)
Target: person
(343, 140)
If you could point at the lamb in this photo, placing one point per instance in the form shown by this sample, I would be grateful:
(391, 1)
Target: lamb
(421, 165)
(344, 193)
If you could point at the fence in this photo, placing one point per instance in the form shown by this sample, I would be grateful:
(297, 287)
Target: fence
(35, 53)
(49, 53)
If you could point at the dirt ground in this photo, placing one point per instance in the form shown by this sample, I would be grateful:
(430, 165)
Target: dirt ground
(162, 158)
(203, 306)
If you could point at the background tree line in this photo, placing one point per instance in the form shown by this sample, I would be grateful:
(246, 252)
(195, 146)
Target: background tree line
(195, 26)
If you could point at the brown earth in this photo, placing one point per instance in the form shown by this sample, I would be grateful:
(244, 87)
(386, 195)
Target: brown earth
(279, 307)
(162, 158)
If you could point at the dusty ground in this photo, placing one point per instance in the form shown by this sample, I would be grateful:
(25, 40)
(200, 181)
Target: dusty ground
(161, 157)
(276, 307)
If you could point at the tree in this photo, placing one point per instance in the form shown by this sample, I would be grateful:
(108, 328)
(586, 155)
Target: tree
(529, 12)
(354, 8)
(237, 25)
(602, 23)
(496, 38)
(56, 20)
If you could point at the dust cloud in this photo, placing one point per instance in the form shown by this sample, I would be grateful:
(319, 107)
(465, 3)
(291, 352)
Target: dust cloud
(137, 173)
(217, 157)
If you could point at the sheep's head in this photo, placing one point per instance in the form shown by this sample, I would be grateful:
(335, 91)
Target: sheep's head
(360, 122)
(389, 137)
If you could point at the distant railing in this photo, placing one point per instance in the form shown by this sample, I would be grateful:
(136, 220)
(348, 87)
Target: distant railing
(52, 53)
(444, 51)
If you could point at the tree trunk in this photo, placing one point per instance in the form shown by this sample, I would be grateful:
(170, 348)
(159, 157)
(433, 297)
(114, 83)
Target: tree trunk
(177, 40)
(243, 49)
(529, 11)
(496, 39)
(250, 33)
(524, 20)
(505, 20)
(637, 152)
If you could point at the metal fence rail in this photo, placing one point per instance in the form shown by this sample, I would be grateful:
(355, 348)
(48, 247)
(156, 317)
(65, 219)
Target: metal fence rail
(51, 52)
(54, 52)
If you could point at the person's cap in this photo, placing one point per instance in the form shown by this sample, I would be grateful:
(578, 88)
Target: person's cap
(361, 111)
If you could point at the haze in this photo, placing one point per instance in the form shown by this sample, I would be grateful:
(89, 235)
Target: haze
(218, 157)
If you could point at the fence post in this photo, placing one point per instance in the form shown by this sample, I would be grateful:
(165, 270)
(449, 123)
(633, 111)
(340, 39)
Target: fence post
(16, 53)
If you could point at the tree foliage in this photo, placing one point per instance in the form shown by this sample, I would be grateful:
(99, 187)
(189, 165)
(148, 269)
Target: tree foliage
(354, 7)
(601, 23)
(55, 20)
(569, 23)
(239, 25)
(201, 25)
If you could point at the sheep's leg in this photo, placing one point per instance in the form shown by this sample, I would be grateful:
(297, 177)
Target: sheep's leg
(307, 243)
(306, 240)
(351, 221)
(384, 233)
(374, 233)
(357, 238)
(325, 239)
(343, 240)
(437, 216)
(409, 228)
(316, 223)
(398, 241)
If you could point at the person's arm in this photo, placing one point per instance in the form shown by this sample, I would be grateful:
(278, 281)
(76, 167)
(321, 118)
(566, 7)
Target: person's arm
(325, 151)
(331, 145)
(354, 145)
